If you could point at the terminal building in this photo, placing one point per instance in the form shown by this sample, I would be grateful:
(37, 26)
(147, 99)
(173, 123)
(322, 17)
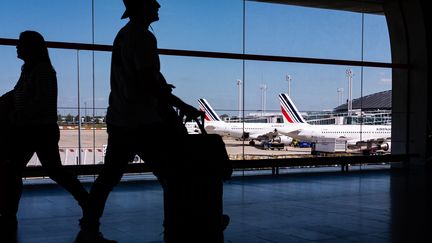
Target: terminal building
(359, 203)
(373, 109)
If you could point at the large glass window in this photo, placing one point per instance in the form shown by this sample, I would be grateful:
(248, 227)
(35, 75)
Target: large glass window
(284, 30)
(65, 20)
(192, 25)
(314, 56)
(10, 68)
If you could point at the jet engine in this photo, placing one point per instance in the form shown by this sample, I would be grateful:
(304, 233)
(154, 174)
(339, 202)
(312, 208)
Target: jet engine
(385, 146)
(283, 139)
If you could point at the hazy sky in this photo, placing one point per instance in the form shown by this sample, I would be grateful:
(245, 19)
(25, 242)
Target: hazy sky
(209, 25)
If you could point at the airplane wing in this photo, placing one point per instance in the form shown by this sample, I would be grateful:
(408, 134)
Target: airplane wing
(265, 136)
(291, 132)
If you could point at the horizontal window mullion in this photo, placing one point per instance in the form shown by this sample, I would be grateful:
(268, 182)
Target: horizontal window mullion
(224, 55)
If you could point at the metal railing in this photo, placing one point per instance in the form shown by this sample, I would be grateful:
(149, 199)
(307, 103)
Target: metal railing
(274, 164)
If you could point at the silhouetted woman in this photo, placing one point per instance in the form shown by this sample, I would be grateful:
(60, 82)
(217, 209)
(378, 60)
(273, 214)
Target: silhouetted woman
(34, 122)
(7, 223)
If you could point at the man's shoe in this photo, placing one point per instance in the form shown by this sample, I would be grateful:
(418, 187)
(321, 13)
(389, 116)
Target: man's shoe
(92, 237)
(225, 221)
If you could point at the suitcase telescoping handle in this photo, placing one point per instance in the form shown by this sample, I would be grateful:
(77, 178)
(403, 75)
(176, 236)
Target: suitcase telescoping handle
(200, 122)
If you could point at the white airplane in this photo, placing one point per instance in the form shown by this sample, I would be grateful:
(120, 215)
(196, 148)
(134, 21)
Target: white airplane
(377, 136)
(252, 131)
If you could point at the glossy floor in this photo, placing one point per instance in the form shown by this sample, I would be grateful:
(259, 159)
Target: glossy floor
(313, 207)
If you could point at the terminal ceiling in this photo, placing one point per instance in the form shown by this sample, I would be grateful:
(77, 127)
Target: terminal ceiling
(361, 6)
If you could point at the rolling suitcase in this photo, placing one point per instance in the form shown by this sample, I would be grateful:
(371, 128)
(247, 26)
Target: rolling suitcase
(193, 195)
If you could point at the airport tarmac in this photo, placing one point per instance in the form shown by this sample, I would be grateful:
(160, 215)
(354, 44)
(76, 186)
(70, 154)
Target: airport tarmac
(236, 149)
(93, 144)
(70, 138)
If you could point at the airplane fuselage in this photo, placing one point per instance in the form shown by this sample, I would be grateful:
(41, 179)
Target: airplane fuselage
(350, 133)
(238, 130)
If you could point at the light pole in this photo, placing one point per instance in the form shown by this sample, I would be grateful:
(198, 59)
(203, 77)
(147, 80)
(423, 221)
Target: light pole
(340, 95)
(85, 112)
(239, 84)
(349, 74)
(289, 78)
(263, 88)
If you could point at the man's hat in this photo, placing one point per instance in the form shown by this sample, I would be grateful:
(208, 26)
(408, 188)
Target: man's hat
(129, 4)
(133, 5)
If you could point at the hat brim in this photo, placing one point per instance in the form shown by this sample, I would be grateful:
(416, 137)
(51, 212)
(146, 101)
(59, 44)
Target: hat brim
(125, 14)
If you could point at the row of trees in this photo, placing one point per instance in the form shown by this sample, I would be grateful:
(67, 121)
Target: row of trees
(71, 119)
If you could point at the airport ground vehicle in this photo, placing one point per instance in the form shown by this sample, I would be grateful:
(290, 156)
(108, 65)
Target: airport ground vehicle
(272, 145)
(329, 145)
(303, 144)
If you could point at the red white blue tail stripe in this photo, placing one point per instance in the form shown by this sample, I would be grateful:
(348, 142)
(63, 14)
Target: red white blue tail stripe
(210, 114)
(289, 110)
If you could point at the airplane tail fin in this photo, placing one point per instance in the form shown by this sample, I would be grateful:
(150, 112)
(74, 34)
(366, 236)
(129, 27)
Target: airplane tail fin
(210, 114)
(289, 110)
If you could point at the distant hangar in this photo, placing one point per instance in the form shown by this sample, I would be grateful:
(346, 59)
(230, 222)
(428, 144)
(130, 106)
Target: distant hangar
(377, 101)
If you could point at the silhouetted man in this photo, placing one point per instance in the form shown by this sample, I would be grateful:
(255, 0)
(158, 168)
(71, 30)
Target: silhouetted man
(33, 128)
(140, 107)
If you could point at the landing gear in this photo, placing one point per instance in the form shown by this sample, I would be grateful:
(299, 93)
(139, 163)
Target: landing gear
(251, 142)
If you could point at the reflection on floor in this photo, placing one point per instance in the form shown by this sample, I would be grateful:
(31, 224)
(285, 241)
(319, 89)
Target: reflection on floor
(314, 207)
